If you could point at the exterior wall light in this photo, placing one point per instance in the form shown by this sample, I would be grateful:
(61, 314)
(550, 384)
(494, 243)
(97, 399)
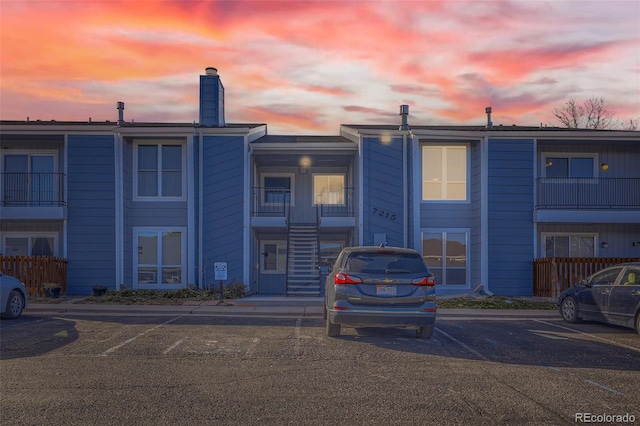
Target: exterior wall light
(604, 166)
(604, 245)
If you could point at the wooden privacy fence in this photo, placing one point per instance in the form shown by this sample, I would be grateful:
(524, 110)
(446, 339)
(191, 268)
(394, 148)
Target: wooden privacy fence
(552, 275)
(34, 271)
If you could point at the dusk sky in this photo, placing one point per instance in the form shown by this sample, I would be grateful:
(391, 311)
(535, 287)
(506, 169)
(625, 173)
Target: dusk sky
(306, 67)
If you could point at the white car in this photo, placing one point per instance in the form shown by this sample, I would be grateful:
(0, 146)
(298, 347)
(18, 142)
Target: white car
(13, 297)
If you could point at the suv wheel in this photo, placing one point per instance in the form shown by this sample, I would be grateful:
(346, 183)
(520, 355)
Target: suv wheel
(638, 322)
(424, 332)
(333, 330)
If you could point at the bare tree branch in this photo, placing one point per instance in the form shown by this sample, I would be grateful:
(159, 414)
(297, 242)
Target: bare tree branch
(594, 113)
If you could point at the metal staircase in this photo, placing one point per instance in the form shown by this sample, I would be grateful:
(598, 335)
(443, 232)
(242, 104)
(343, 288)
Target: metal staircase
(303, 271)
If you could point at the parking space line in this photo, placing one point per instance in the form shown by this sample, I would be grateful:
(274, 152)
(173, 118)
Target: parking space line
(590, 335)
(172, 347)
(591, 382)
(126, 342)
(252, 349)
(464, 345)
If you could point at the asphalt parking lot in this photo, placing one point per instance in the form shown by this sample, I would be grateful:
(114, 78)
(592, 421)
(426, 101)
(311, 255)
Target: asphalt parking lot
(114, 368)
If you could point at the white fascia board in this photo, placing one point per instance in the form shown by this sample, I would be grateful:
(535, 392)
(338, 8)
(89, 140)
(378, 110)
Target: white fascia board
(230, 131)
(58, 128)
(156, 131)
(297, 147)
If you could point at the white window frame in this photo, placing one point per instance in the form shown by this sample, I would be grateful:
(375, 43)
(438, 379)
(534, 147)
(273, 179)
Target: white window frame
(467, 147)
(280, 245)
(37, 152)
(159, 144)
(29, 236)
(467, 233)
(183, 260)
(568, 155)
(291, 176)
(344, 185)
(545, 235)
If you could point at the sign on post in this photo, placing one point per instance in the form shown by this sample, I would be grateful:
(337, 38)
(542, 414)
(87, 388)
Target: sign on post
(220, 269)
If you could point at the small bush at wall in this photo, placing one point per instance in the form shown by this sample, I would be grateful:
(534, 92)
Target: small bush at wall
(168, 297)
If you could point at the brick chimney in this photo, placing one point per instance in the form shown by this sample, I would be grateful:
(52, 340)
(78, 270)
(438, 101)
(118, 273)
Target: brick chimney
(211, 99)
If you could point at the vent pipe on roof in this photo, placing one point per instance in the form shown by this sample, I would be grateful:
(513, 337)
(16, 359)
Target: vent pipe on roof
(489, 122)
(120, 113)
(404, 113)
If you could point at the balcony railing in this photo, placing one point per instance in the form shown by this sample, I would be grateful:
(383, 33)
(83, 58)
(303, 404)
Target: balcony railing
(270, 202)
(341, 204)
(32, 189)
(586, 193)
(552, 275)
(275, 202)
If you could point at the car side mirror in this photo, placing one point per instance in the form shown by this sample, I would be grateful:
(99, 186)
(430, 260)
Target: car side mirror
(585, 283)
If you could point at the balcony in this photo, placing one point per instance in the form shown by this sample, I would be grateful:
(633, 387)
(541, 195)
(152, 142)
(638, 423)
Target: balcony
(273, 207)
(597, 200)
(32, 195)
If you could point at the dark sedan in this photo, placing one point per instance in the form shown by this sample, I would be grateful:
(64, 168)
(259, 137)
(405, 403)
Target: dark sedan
(611, 295)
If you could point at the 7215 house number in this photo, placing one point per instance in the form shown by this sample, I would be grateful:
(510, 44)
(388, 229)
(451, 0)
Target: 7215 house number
(384, 214)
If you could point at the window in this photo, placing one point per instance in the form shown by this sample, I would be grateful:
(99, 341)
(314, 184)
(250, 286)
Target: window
(328, 189)
(444, 173)
(277, 188)
(31, 245)
(30, 179)
(160, 171)
(446, 254)
(274, 257)
(160, 257)
(605, 277)
(559, 165)
(566, 245)
(329, 252)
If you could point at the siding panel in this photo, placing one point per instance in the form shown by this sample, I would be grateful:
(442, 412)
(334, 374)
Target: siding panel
(91, 213)
(510, 217)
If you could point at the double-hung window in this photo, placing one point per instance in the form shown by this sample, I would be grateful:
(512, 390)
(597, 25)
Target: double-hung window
(445, 253)
(328, 189)
(30, 245)
(160, 257)
(562, 165)
(569, 245)
(444, 172)
(160, 171)
(277, 189)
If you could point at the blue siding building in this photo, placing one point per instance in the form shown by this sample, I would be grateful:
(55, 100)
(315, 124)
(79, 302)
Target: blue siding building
(155, 205)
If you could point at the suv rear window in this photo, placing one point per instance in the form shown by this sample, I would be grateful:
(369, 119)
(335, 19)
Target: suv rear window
(384, 263)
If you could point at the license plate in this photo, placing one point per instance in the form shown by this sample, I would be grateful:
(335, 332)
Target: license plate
(386, 290)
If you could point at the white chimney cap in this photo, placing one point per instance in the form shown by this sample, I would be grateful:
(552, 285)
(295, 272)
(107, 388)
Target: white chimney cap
(211, 71)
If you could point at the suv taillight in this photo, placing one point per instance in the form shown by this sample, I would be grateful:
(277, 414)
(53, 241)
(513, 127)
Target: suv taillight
(341, 278)
(429, 281)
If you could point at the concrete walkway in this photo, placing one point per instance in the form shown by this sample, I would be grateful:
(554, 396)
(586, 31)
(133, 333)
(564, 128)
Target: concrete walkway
(255, 305)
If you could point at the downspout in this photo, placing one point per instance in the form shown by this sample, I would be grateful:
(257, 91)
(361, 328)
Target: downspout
(200, 209)
(246, 231)
(360, 192)
(191, 234)
(405, 190)
(65, 154)
(484, 216)
(119, 209)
